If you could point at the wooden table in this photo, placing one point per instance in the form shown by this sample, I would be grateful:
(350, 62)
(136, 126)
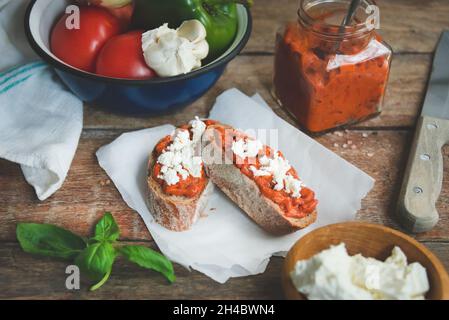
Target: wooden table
(412, 27)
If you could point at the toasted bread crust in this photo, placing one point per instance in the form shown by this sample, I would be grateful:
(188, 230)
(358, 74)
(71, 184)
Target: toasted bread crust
(246, 194)
(173, 212)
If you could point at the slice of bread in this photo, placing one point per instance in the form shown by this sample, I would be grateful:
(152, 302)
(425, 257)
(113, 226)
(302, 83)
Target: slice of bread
(174, 212)
(246, 194)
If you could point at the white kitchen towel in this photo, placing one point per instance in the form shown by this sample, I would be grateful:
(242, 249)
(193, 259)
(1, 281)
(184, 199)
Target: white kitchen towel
(226, 243)
(40, 120)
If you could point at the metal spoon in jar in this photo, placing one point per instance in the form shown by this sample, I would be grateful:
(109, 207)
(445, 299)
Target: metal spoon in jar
(351, 12)
(353, 6)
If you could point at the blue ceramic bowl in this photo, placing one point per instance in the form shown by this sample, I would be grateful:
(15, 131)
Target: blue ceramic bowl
(144, 97)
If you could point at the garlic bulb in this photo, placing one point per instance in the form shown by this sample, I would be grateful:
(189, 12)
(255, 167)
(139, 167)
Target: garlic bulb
(172, 52)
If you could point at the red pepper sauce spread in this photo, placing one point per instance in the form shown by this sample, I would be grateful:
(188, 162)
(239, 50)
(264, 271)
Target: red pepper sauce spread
(191, 186)
(292, 207)
(321, 98)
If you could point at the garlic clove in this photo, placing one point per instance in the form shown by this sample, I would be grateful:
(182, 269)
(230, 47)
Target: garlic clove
(193, 30)
(186, 58)
(201, 50)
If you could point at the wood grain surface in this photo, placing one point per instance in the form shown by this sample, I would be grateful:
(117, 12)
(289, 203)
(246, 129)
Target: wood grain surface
(408, 25)
(412, 27)
(27, 277)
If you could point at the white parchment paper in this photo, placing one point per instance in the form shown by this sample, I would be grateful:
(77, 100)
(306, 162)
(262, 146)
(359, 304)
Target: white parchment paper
(226, 243)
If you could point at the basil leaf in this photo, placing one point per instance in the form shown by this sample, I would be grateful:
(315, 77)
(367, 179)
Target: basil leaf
(107, 229)
(49, 240)
(149, 259)
(96, 262)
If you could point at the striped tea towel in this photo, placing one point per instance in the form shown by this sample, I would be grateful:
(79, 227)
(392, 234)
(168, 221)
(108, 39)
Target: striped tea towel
(40, 121)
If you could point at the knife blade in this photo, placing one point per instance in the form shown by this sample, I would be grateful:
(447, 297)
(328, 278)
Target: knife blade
(423, 176)
(436, 103)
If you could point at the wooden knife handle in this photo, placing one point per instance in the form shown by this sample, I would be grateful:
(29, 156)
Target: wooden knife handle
(423, 176)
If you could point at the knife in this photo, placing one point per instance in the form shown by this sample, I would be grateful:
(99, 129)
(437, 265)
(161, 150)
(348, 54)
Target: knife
(424, 173)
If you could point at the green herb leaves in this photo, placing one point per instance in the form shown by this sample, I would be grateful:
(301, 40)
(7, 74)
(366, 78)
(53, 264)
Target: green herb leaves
(49, 240)
(96, 260)
(107, 229)
(95, 257)
(150, 259)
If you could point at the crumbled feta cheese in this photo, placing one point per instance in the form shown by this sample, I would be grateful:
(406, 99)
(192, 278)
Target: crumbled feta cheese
(259, 173)
(238, 147)
(264, 161)
(170, 176)
(278, 167)
(166, 158)
(333, 274)
(181, 140)
(293, 186)
(246, 149)
(198, 128)
(253, 148)
(179, 160)
(194, 166)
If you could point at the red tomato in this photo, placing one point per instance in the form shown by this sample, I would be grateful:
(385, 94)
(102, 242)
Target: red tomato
(122, 57)
(80, 47)
(122, 9)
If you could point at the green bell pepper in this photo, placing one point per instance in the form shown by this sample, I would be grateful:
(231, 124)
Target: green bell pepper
(219, 17)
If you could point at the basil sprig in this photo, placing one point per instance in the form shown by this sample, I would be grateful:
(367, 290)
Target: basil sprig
(95, 256)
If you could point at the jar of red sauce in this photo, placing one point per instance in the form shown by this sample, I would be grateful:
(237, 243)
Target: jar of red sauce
(326, 75)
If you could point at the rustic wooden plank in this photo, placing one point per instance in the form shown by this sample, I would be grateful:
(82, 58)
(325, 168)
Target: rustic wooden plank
(27, 277)
(87, 192)
(383, 155)
(403, 99)
(407, 25)
(23, 276)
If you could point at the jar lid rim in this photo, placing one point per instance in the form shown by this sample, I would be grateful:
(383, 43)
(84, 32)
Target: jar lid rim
(333, 30)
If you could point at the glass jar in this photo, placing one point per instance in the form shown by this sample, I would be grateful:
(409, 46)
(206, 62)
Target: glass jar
(326, 75)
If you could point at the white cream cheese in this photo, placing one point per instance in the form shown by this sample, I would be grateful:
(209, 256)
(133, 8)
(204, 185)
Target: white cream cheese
(335, 275)
(178, 160)
(172, 52)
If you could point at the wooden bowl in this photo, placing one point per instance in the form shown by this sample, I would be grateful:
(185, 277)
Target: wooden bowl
(370, 240)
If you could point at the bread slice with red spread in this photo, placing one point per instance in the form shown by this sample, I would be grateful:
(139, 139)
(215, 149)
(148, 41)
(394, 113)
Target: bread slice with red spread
(178, 187)
(246, 180)
(176, 213)
(184, 166)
